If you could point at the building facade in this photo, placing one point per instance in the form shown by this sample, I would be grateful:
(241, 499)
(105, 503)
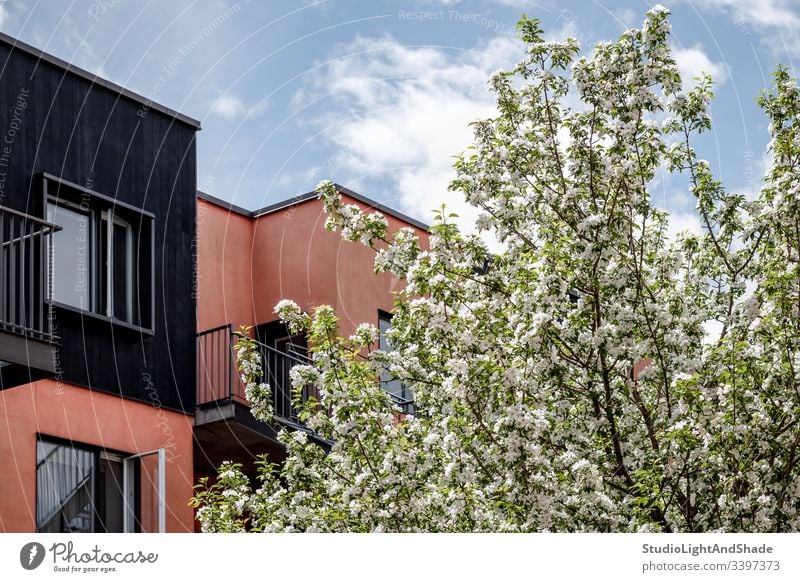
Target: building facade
(97, 350)
(121, 289)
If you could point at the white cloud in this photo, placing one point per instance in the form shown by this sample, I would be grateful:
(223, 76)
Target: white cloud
(231, 107)
(683, 222)
(781, 16)
(3, 16)
(693, 61)
(402, 113)
(628, 17)
(777, 13)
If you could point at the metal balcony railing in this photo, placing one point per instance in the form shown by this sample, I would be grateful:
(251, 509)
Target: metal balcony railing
(219, 382)
(218, 379)
(25, 263)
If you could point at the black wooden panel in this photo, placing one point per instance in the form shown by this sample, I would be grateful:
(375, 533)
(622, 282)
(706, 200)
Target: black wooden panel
(91, 136)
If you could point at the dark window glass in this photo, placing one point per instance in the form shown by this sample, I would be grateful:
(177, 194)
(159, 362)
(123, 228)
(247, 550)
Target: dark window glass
(78, 490)
(110, 506)
(401, 393)
(121, 278)
(103, 267)
(64, 488)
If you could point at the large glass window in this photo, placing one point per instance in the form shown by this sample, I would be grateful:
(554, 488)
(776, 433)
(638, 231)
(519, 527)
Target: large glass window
(79, 489)
(101, 257)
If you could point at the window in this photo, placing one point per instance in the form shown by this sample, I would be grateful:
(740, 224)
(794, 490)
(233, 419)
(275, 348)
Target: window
(102, 257)
(400, 393)
(69, 255)
(81, 489)
(64, 489)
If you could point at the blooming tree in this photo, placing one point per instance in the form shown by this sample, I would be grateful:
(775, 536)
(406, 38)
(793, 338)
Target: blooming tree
(576, 380)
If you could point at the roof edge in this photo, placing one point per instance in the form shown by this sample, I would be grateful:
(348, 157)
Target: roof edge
(300, 198)
(372, 204)
(16, 44)
(224, 204)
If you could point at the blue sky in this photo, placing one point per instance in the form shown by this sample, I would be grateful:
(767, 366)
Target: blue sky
(376, 95)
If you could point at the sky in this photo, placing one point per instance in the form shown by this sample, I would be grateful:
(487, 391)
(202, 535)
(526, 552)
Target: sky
(377, 95)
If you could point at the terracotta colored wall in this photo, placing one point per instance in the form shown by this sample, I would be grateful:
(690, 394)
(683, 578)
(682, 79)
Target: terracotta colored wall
(246, 266)
(93, 418)
(296, 258)
(224, 281)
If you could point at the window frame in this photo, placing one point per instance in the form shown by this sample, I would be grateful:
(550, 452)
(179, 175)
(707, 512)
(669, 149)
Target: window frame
(90, 215)
(111, 220)
(405, 396)
(97, 454)
(132, 482)
(139, 223)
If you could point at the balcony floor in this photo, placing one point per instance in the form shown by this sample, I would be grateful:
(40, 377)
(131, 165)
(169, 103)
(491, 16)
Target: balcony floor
(229, 432)
(24, 360)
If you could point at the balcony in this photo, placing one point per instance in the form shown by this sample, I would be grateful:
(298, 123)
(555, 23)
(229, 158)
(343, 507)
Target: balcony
(26, 333)
(225, 429)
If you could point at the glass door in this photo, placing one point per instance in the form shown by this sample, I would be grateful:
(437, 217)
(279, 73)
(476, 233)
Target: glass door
(144, 479)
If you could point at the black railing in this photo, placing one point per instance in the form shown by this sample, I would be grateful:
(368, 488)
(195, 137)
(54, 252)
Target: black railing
(217, 376)
(24, 274)
(218, 379)
(219, 382)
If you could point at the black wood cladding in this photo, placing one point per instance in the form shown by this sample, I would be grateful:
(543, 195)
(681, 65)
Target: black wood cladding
(56, 122)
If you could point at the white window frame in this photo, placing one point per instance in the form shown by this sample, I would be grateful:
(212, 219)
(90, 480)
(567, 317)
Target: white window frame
(130, 490)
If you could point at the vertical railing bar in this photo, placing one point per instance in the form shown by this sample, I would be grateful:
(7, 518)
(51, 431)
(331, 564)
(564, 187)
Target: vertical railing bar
(39, 294)
(214, 375)
(2, 271)
(223, 367)
(23, 277)
(220, 371)
(236, 383)
(12, 277)
(213, 369)
(215, 387)
(48, 290)
(197, 369)
(200, 368)
(233, 377)
(207, 377)
(30, 294)
(229, 360)
(209, 369)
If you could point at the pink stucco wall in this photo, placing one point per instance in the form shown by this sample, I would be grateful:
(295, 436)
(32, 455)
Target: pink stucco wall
(98, 419)
(248, 265)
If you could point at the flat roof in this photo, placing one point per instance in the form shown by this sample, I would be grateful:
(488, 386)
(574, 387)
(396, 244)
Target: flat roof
(299, 199)
(16, 44)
